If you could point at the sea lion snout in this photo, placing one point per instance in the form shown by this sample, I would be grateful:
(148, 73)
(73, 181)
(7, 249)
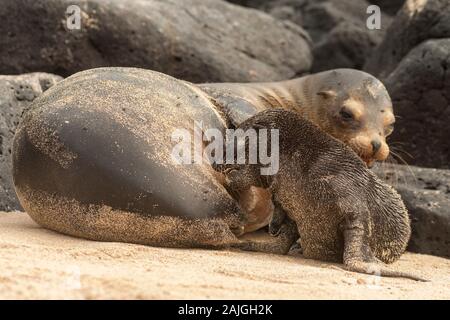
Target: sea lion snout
(370, 148)
(376, 144)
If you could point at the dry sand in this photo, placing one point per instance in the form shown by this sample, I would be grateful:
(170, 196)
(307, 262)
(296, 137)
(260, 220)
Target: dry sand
(38, 263)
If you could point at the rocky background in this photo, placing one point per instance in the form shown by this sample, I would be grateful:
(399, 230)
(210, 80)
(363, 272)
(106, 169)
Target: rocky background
(251, 40)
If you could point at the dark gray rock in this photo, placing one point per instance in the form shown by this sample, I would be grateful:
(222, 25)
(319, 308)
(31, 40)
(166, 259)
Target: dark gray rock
(413, 61)
(320, 17)
(426, 193)
(416, 22)
(420, 91)
(346, 46)
(389, 6)
(337, 27)
(16, 93)
(196, 40)
(339, 32)
(250, 3)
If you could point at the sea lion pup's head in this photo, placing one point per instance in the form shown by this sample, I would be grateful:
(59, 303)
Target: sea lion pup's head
(354, 107)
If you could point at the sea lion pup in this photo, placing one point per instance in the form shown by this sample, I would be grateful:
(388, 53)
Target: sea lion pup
(342, 211)
(351, 105)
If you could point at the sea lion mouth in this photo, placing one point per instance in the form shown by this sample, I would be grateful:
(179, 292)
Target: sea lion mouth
(370, 163)
(365, 157)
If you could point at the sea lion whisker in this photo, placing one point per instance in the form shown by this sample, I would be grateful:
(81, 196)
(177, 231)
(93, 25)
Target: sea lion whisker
(390, 160)
(397, 156)
(403, 151)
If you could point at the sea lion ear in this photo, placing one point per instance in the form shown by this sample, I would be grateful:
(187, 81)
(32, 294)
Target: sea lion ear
(327, 94)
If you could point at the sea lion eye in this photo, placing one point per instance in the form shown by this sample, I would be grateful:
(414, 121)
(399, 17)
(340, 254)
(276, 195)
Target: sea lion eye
(346, 115)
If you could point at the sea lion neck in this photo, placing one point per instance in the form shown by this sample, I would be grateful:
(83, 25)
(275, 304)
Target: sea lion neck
(294, 94)
(280, 94)
(299, 94)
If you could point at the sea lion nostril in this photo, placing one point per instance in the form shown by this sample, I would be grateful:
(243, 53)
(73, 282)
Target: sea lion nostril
(376, 145)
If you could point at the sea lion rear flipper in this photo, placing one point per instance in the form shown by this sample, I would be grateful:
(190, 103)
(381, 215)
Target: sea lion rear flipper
(358, 256)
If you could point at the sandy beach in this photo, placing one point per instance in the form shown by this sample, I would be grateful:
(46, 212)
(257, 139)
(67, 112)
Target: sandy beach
(36, 263)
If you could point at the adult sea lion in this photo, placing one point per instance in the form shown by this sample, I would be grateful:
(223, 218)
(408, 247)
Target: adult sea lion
(92, 158)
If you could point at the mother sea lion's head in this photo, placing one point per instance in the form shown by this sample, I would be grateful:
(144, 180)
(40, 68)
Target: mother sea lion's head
(355, 108)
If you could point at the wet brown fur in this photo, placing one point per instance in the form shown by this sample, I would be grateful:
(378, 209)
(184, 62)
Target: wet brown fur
(342, 211)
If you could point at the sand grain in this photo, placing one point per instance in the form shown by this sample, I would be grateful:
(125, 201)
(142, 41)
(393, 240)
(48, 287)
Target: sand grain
(38, 263)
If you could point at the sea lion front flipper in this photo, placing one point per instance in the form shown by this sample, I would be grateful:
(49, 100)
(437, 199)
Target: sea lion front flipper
(358, 256)
(278, 218)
